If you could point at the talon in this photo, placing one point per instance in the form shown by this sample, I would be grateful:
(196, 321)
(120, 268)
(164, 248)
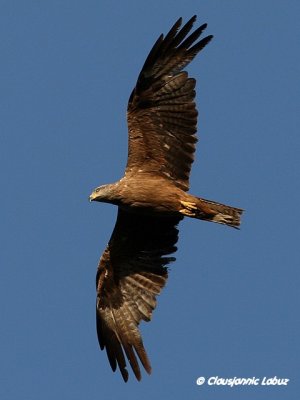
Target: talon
(188, 205)
(187, 212)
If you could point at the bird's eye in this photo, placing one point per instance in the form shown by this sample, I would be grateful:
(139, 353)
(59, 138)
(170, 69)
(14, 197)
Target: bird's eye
(97, 190)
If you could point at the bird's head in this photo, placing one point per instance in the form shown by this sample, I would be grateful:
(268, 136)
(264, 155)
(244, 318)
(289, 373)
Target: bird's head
(101, 193)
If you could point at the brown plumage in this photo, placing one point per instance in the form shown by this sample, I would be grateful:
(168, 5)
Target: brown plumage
(152, 197)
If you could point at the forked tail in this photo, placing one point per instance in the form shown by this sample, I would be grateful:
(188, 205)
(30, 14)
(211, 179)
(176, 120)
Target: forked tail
(208, 210)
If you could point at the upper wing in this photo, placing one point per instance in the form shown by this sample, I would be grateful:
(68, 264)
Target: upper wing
(162, 115)
(131, 273)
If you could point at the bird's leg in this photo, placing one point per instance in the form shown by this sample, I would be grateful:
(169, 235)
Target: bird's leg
(188, 209)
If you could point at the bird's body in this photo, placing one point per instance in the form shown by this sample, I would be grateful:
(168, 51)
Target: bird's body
(141, 192)
(152, 197)
(149, 194)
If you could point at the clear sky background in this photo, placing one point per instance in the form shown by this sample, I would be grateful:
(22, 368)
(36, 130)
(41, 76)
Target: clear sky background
(231, 306)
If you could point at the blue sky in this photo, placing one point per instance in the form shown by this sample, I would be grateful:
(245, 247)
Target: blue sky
(231, 306)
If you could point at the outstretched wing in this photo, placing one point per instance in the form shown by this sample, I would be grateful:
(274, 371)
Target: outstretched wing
(131, 273)
(162, 115)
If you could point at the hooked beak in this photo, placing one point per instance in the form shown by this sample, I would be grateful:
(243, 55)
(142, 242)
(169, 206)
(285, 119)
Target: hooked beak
(92, 196)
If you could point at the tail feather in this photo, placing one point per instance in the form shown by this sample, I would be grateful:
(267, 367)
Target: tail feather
(208, 210)
(220, 213)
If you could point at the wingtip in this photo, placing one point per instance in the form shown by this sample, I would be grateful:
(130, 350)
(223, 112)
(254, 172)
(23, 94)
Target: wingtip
(124, 374)
(179, 21)
(191, 21)
(149, 370)
(177, 24)
(208, 39)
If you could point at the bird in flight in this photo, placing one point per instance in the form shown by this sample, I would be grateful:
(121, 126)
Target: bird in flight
(152, 197)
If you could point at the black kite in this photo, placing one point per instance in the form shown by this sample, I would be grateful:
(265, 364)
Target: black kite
(152, 197)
